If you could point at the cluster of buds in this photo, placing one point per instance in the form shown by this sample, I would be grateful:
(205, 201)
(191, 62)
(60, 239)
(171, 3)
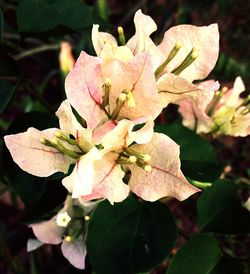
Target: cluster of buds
(118, 94)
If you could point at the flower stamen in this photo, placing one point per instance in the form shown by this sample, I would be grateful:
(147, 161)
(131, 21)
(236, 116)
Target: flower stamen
(193, 54)
(119, 104)
(171, 56)
(59, 146)
(125, 160)
(60, 135)
(130, 100)
(121, 35)
(106, 88)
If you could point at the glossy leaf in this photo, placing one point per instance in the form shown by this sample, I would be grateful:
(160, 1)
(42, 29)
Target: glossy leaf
(28, 187)
(228, 266)
(198, 159)
(1, 24)
(43, 208)
(7, 91)
(8, 66)
(198, 256)
(220, 209)
(130, 237)
(36, 119)
(41, 16)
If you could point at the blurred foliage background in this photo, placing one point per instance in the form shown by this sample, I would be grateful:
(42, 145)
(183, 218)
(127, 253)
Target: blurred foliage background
(31, 82)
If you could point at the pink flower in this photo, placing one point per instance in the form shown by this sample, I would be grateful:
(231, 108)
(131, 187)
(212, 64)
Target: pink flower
(222, 113)
(115, 91)
(187, 53)
(152, 158)
(53, 232)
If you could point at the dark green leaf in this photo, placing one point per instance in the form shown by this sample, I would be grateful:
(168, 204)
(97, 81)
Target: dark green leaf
(228, 266)
(198, 256)
(1, 25)
(7, 91)
(130, 237)
(39, 120)
(220, 209)
(8, 66)
(53, 197)
(45, 15)
(198, 159)
(28, 187)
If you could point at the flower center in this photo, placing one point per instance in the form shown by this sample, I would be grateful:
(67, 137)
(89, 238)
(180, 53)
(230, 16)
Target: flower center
(130, 156)
(193, 54)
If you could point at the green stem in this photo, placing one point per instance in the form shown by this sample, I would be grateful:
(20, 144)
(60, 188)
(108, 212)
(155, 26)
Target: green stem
(201, 185)
(36, 50)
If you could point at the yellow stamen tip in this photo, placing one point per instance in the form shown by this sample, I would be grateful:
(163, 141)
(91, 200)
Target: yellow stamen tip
(195, 54)
(196, 49)
(148, 168)
(131, 100)
(68, 239)
(86, 218)
(120, 30)
(178, 44)
(224, 89)
(108, 82)
(58, 134)
(54, 141)
(132, 159)
(146, 157)
(122, 97)
(43, 141)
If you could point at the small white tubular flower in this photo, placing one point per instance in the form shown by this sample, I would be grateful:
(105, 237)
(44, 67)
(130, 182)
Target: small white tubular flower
(62, 219)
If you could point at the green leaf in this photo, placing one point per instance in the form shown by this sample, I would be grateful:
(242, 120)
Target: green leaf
(198, 159)
(47, 205)
(228, 266)
(8, 66)
(7, 91)
(45, 15)
(37, 119)
(220, 210)
(28, 187)
(130, 237)
(198, 256)
(1, 25)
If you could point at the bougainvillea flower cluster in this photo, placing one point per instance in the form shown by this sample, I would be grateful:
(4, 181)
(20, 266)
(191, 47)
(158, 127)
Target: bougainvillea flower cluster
(111, 142)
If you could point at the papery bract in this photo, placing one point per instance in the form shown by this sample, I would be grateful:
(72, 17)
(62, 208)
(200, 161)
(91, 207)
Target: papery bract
(204, 40)
(222, 113)
(48, 232)
(84, 88)
(27, 151)
(165, 179)
(37, 159)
